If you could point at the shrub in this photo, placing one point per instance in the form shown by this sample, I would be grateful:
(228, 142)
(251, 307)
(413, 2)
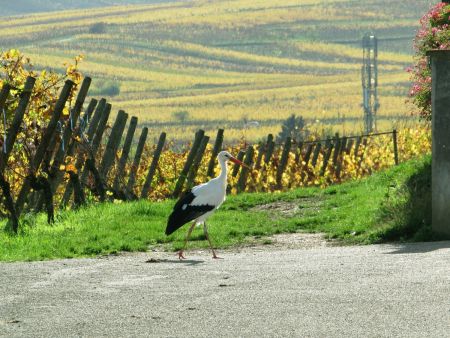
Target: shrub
(108, 88)
(97, 28)
(181, 115)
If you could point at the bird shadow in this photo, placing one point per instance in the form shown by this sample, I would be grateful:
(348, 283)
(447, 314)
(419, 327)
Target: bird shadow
(190, 262)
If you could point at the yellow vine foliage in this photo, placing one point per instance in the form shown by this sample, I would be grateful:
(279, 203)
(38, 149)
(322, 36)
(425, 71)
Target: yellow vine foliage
(15, 67)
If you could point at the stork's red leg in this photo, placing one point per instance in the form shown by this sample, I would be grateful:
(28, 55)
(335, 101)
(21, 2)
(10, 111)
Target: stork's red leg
(205, 230)
(180, 253)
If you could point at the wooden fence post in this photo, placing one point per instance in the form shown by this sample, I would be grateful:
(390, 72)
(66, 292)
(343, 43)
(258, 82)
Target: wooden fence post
(304, 167)
(43, 145)
(89, 110)
(17, 120)
(260, 155)
(357, 145)
(136, 161)
(97, 138)
(216, 150)
(236, 166)
(96, 118)
(349, 146)
(394, 139)
(125, 152)
(316, 154)
(309, 149)
(244, 172)
(151, 171)
(337, 147)
(58, 159)
(326, 158)
(270, 146)
(343, 144)
(5, 186)
(113, 144)
(79, 131)
(342, 149)
(197, 161)
(4, 95)
(284, 160)
(80, 159)
(187, 166)
(298, 153)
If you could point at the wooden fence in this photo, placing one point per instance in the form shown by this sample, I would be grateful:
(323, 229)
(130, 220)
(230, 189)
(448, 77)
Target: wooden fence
(84, 134)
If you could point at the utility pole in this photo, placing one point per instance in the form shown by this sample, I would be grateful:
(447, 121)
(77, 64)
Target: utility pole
(369, 77)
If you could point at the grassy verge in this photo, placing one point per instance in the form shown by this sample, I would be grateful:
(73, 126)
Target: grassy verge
(389, 205)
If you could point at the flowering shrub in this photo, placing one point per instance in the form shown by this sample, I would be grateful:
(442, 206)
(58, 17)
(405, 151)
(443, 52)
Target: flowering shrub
(434, 33)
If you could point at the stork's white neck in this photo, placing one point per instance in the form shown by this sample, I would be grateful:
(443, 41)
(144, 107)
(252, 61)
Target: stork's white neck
(223, 171)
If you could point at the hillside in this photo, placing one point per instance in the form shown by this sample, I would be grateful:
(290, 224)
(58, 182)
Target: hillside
(21, 7)
(228, 62)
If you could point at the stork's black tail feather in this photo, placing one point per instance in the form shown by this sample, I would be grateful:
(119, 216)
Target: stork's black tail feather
(184, 212)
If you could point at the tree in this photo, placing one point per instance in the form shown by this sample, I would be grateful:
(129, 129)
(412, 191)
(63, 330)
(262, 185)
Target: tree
(295, 127)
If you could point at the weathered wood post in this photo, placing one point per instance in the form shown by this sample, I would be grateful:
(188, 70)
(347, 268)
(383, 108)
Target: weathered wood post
(337, 147)
(349, 146)
(113, 143)
(151, 171)
(284, 161)
(43, 145)
(440, 98)
(216, 150)
(298, 152)
(245, 171)
(308, 153)
(236, 167)
(80, 160)
(197, 161)
(394, 139)
(270, 146)
(326, 158)
(125, 151)
(260, 155)
(136, 161)
(17, 120)
(11, 135)
(187, 166)
(357, 144)
(56, 175)
(316, 154)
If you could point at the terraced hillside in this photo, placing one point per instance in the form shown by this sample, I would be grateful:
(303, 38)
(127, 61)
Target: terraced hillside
(190, 64)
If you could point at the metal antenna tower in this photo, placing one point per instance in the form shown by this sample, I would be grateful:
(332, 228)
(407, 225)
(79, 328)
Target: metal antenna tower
(369, 75)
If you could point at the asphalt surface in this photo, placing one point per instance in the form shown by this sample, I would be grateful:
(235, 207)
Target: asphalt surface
(361, 291)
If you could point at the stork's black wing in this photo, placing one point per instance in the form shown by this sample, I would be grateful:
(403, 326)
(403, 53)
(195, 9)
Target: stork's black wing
(184, 211)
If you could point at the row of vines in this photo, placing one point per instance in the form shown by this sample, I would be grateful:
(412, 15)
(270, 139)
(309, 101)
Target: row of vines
(352, 162)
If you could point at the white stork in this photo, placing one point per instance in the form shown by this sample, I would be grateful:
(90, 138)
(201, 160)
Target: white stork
(200, 202)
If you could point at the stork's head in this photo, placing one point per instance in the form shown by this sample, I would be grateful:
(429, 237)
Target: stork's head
(225, 156)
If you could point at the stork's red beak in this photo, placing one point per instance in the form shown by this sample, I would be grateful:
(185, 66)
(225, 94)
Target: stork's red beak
(235, 160)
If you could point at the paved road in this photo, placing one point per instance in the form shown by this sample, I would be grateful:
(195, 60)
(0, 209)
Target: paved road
(363, 291)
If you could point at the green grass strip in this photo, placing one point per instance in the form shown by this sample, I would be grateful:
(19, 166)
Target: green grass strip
(386, 206)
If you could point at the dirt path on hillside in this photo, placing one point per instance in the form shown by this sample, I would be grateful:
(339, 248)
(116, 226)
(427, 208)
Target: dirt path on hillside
(310, 289)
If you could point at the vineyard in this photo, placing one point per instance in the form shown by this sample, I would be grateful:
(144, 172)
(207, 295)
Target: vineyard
(41, 169)
(225, 63)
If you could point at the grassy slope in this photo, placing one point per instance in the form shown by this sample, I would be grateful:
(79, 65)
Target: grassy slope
(230, 60)
(374, 209)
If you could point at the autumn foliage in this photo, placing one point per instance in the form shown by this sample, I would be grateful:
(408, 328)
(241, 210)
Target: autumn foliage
(433, 34)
